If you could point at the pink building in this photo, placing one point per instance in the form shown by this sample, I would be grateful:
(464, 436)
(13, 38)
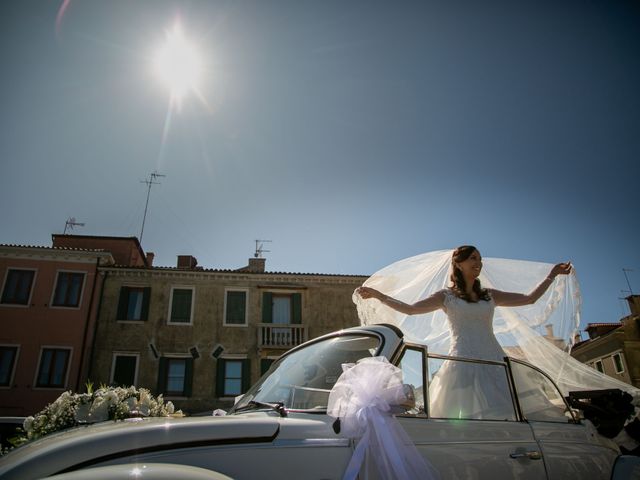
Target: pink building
(48, 302)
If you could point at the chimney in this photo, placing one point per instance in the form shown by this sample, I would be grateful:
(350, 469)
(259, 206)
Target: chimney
(256, 265)
(187, 261)
(634, 304)
(150, 256)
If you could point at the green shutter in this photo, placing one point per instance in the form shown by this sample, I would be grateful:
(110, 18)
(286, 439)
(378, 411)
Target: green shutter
(265, 363)
(181, 305)
(188, 377)
(162, 376)
(246, 375)
(123, 303)
(220, 378)
(296, 306)
(236, 303)
(146, 296)
(267, 307)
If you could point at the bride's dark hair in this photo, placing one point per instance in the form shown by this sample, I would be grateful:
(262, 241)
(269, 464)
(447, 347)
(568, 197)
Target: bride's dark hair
(459, 286)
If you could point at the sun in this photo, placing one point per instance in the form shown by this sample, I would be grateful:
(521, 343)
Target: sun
(178, 64)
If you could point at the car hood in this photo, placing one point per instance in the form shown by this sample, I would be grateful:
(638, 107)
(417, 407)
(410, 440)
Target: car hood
(88, 445)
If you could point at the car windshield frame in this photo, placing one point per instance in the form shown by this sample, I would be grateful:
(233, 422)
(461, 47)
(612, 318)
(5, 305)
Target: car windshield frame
(294, 359)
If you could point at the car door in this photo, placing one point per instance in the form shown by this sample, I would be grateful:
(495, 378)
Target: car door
(481, 445)
(571, 449)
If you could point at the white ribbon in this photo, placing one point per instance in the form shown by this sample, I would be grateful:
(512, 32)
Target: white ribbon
(362, 399)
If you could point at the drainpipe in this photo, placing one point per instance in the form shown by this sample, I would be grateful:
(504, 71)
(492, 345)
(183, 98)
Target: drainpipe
(86, 325)
(95, 328)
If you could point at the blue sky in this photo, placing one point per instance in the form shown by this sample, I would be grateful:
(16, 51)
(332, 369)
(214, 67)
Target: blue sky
(350, 133)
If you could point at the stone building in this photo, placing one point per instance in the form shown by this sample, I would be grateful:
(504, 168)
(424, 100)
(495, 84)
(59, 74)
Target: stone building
(614, 348)
(202, 336)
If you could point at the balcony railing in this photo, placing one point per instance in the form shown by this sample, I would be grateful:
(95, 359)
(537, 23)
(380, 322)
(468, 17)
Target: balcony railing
(281, 335)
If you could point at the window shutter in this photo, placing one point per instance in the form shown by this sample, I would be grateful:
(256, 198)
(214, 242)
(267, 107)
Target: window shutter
(220, 378)
(265, 363)
(267, 307)
(146, 296)
(188, 377)
(162, 375)
(123, 303)
(296, 306)
(246, 375)
(236, 305)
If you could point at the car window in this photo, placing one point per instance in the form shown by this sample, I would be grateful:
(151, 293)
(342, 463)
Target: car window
(539, 398)
(469, 390)
(303, 379)
(412, 365)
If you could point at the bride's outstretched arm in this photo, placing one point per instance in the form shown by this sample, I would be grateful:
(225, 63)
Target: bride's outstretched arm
(510, 299)
(427, 305)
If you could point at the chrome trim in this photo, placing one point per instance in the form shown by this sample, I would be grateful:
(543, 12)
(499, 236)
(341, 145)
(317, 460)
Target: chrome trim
(313, 442)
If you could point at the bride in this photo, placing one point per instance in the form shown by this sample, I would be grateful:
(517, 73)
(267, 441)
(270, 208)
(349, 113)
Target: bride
(459, 389)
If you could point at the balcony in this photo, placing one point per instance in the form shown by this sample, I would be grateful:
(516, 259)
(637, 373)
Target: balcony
(281, 335)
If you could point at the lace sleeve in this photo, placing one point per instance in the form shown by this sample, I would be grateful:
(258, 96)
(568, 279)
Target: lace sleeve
(449, 296)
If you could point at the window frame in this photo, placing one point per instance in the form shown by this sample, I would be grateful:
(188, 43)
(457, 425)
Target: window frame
(423, 352)
(296, 306)
(163, 376)
(146, 302)
(615, 366)
(595, 365)
(227, 290)
(8, 271)
(193, 300)
(245, 372)
(12, 371)
(36, 384)
(80, 295)
(114, 357)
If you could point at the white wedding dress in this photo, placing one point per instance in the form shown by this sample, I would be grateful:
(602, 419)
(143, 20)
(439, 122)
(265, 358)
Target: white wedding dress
(475, 330)
(470, 390)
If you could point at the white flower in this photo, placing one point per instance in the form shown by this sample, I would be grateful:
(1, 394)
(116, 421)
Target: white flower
(99, 411)
(28, 424)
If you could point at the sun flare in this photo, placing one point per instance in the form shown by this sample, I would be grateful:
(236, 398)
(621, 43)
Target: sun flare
(178, 64)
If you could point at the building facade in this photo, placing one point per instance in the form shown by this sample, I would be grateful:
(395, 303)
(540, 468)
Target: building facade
(47, 316)
(201, 337)
(614, 348)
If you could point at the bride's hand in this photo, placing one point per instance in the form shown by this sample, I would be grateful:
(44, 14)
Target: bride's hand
(561, 269)
(367, 292)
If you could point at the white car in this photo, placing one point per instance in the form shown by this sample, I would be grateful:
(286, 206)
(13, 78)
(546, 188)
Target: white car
(280, 428)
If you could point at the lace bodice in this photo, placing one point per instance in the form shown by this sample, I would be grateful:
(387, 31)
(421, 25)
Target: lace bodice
(471, 327)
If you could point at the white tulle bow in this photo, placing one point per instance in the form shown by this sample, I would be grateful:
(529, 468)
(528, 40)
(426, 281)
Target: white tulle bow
(362, 399)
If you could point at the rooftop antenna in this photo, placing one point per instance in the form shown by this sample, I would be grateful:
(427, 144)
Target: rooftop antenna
(625, 270)
(70, 223)
(151, 181)
(623, 304)
(260, 248)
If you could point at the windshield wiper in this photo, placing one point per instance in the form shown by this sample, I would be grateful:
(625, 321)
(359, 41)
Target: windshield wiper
(278, 407)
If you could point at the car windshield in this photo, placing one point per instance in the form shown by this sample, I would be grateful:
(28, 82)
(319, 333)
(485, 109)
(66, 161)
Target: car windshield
(303, 379)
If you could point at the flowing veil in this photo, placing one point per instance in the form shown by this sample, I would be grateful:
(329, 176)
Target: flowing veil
(541, 334)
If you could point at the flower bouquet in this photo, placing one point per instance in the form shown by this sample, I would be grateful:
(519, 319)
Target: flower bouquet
(105, 403)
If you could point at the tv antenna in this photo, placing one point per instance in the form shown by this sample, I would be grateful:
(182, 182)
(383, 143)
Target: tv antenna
(151, 181)
(260, 248)
(70, 223)
(625, 270)
(624, 305)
